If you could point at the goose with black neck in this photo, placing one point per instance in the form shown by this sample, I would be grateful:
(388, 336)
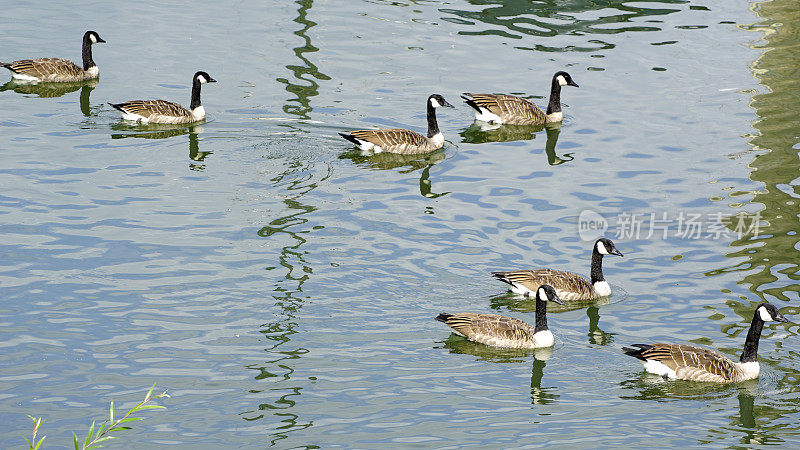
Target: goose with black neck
(513, 110)
(58, 70)
(503, 331)
(162, 111)
(400, 140)
(569, 286)
(687, 362)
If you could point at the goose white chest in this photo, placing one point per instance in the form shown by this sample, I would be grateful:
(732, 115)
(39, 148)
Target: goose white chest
(437, 139)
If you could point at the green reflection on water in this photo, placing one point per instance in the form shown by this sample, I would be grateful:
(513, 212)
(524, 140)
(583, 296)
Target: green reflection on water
(770, 262)
(301, 105)
(286, 296)
(298, 179)
(516, 19)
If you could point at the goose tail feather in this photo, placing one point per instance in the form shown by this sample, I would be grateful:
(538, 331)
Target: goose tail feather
(637, 352)
(502, 277)
(350, 138)
(443, 317)
(466, 96)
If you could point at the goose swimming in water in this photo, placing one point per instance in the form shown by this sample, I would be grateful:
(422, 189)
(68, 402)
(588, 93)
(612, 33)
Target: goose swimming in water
(400, 140)
(513, 110)
(51, 70)
(687, 362)
(503, 331)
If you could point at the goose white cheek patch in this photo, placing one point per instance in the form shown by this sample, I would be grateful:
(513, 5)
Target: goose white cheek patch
(561, 80)
(541, 294)
(765, 316)
(93, 39)
(202, 79)
(601, 249)
(435, 103)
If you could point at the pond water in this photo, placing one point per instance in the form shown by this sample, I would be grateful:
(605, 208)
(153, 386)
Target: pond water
(282, 287)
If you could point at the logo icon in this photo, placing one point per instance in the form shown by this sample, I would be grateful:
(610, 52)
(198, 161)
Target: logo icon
(591, 225)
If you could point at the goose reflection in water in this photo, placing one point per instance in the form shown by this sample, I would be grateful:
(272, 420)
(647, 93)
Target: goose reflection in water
(482, 132)
(745, 419)
(53, 90)
(596, 335)
(539, 395)
(648, 386)
(161, 131)
(406, 164)
(515, 302)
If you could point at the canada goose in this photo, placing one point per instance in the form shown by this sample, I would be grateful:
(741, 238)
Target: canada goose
(502, 331)
(162, 111)
(569, 286)
(399, 140)
(514, 110)
(57, 69)
(686, 362)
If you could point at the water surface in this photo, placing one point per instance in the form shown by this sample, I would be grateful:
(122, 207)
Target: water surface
(282, 287)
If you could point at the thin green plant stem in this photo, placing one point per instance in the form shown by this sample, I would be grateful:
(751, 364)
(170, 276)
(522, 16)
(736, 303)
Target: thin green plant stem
(96, 435)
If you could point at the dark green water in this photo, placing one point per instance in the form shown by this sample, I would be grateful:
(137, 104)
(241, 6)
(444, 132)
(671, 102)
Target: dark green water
(283, 287)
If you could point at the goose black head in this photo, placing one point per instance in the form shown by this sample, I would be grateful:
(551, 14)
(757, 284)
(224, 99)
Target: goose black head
(769, 313)
(547, 292)
(202, 78)
(93, 38)
(437, 100)
(604, 246)
(564, 79)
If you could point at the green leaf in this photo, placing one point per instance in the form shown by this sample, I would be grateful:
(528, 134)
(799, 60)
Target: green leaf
(143, 407)
(29, 443)
(89, 436)
(39, 443)
(111, 412)
(77, 445)
(129, 419)
(147, 397)
(37, 422)
(102, 427)
(105, 438)
(120, 428)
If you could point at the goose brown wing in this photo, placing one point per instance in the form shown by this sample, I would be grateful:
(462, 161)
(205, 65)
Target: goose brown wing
(512, 109)
(151, 108)
(396, 140)
(692, 363)
(560, 280)
(42, 68)
(489, 327)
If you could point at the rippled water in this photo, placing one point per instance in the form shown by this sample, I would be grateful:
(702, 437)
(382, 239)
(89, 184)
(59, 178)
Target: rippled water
(282, 287)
